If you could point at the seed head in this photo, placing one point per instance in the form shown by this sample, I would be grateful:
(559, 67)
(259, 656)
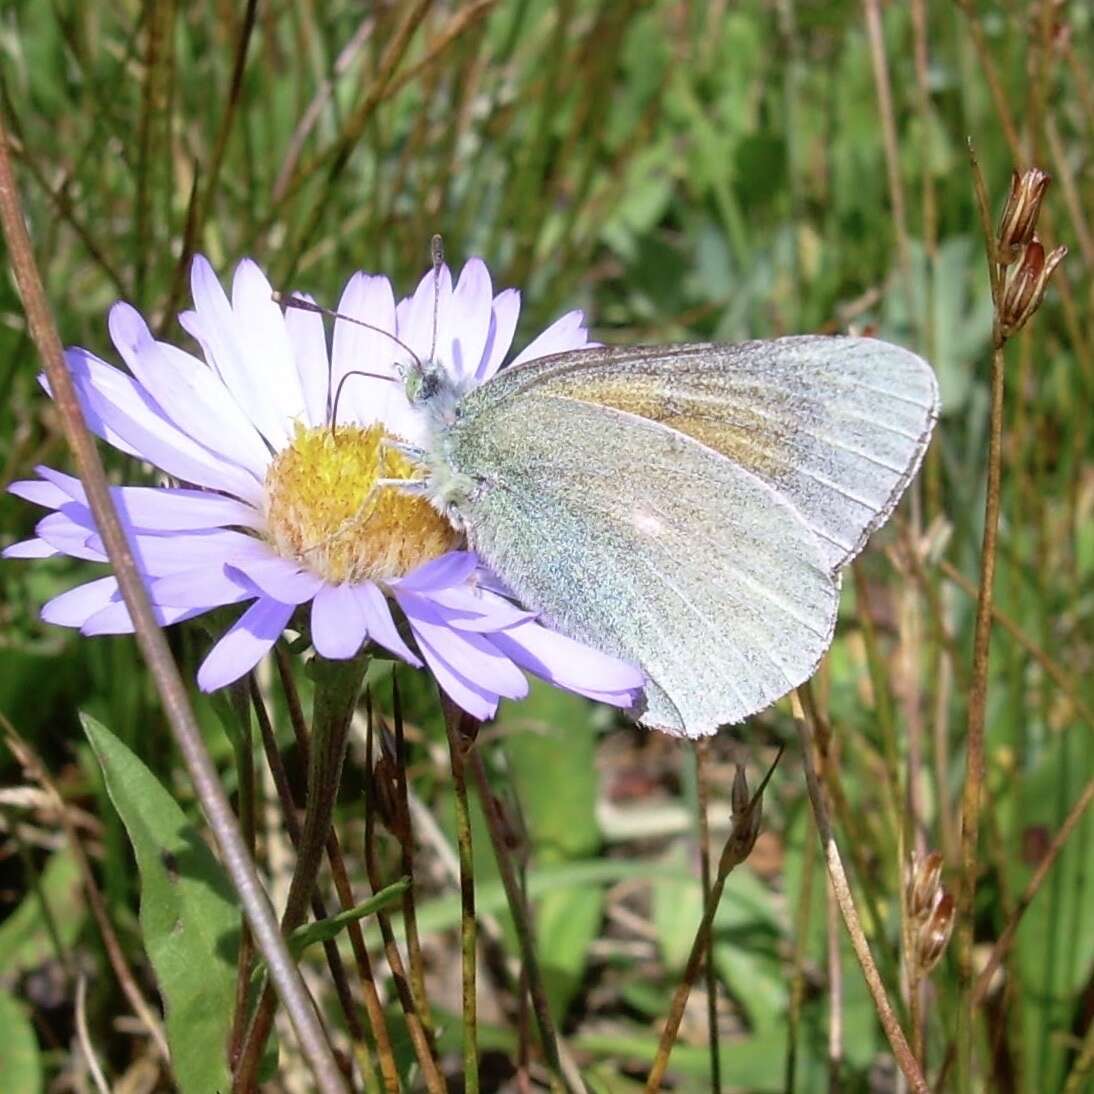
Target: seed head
(924, 885)
(1019, 219)
(934, 935)
(1025, 287)
(747, 815)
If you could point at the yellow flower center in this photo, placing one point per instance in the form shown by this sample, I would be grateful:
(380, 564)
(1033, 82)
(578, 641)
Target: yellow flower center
(322, 510)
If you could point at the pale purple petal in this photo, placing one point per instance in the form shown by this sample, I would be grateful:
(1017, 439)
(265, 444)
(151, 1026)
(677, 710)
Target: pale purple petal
(188, 392)
(469, 608)
(114, 619)
(428, 314)
(503, 325)
(214, 324)
(29, 548)
(470, 319)
(119, 411)
(245, 644)
(308, 339)
(363, 399)
(39, 493)
(564, 334)
(477, 700)
(380, 624)
(75, 607)
(202, 587)
(338, 627)
(164, 509)
(569, 664)
(179, 551)
(452, 568)
(262, 332)
(60, 531)
(279, 578)
(468, 654)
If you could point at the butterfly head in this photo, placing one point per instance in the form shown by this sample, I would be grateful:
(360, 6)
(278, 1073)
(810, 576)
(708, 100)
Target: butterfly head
(431, 389)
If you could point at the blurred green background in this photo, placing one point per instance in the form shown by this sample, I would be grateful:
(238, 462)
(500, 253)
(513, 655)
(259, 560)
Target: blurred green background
(683, 172)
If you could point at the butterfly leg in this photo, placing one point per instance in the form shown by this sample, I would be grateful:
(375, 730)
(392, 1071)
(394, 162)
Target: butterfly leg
(411, 451)
(413, 487)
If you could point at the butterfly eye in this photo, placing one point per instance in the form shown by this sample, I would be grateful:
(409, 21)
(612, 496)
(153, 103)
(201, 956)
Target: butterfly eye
(413, 381)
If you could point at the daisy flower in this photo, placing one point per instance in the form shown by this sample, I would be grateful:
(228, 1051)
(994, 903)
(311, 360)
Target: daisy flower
(271, 515)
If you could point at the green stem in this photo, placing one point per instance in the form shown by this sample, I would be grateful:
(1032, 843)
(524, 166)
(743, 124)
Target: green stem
(459, 746)
(337, 684)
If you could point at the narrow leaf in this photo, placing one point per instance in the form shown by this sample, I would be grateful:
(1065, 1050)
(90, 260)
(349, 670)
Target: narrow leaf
(20, 1059)
(324, 929)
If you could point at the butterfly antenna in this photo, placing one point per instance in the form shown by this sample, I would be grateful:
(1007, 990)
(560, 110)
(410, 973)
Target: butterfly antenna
(294, 301)
(436, 250)
(342, 384)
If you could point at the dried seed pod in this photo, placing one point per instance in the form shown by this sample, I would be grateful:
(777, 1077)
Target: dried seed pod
(1025, 288)
(924, 885)
(934, 935)
(747, 815)
(1019, 219)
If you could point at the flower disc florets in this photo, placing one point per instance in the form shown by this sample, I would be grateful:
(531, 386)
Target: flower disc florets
(323, 510)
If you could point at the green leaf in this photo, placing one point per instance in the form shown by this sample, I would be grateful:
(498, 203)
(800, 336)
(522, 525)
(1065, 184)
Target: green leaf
(567, 922)
(25, 940)
(20, 1060)
(325, 929)
(189, 915)
(752, 970)
(677, 908)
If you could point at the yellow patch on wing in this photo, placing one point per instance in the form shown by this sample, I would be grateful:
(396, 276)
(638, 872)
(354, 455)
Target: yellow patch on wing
(710, 416)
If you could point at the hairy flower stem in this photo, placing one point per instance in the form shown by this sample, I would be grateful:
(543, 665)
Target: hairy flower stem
(522, 919)
(337, 684)
(738, 847)
(460, 744)
(838, 878)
